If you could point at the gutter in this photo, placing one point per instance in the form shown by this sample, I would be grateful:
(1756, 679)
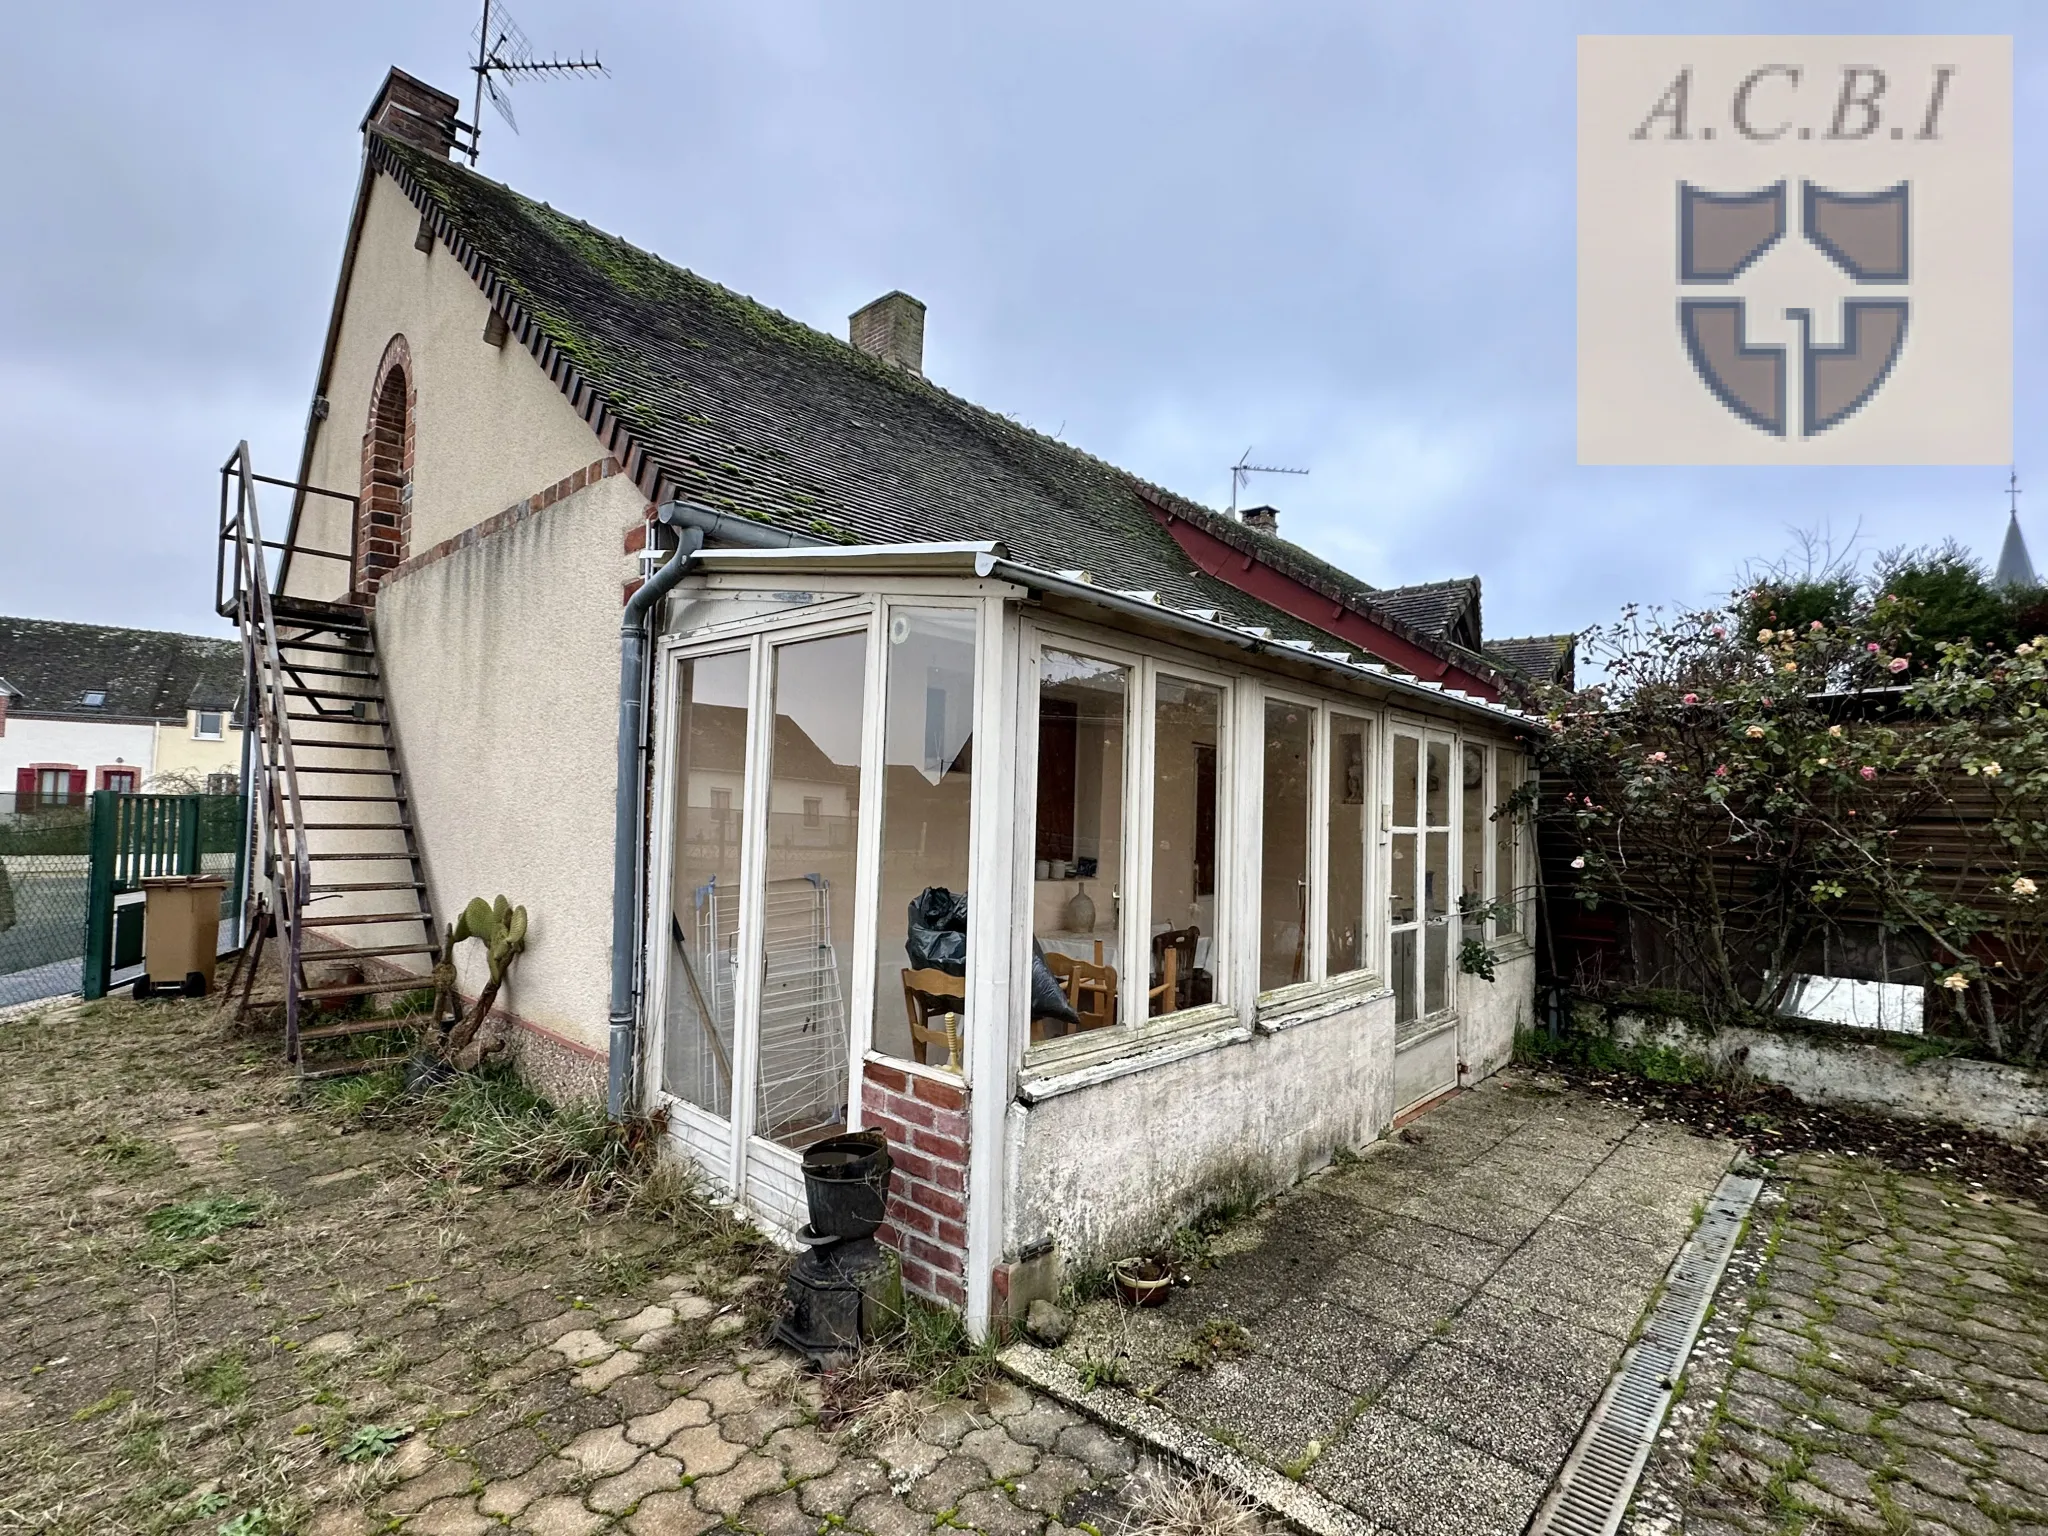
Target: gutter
(629, 801)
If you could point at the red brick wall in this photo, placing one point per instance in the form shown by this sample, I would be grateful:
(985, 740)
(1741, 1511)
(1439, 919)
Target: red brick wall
(384, 516)
(925, 1119)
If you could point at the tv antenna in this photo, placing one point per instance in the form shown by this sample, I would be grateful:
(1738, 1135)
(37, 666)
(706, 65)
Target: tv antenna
(2012, 491)
(503, 55)
(1243, 470)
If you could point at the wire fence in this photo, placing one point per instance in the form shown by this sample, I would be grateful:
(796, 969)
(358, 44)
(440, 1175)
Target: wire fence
(44, 880)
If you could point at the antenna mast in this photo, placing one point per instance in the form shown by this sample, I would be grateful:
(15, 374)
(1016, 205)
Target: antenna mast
(1243, 470)
(503, 55)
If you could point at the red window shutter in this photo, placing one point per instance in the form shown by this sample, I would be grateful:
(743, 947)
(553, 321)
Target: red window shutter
(25, 781)
(78, 777)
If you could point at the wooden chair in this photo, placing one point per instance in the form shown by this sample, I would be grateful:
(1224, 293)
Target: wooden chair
(1164, 996)
(925, 994)
(1173, 958)
(1090, 988)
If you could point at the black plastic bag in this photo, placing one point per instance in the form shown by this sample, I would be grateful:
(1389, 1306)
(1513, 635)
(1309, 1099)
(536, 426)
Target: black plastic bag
(938, 942)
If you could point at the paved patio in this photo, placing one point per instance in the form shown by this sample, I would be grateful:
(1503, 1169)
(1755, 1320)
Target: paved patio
(1423, 1332)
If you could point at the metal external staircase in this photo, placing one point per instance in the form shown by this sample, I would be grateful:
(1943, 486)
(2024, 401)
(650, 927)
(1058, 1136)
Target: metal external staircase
(339, 876)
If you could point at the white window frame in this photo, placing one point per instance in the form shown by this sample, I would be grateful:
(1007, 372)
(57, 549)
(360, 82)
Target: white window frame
(1316, 939)
(199, 730)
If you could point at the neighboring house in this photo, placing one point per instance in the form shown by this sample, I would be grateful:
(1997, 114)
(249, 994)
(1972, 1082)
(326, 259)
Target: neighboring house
(85, 707)
(1215, 804)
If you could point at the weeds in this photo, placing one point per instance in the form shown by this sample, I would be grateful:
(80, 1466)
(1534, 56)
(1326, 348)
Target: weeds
(223, 1380)
(372, 1442)
(1600, 1053)
(201, 1218)
(931, 1356)
(1216, 1340)
(1168, 1505)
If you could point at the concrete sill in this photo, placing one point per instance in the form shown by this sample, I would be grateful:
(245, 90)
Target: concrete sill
(1049, 1079)
(1315, 1000)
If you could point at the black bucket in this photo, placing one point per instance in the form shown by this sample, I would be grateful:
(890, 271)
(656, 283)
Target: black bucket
(846, 1181)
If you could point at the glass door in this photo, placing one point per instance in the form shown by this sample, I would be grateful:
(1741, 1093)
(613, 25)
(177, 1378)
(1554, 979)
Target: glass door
(758, 957)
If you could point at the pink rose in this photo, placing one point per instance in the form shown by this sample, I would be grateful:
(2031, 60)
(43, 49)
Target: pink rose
(1690, 698)
(1872, 647)
(1816, 626)
(1869, 772)
(1721, 772)
(1898, 664)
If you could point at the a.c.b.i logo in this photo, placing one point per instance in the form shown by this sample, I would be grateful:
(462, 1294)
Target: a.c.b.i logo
(1720, 236)
(1795, 250)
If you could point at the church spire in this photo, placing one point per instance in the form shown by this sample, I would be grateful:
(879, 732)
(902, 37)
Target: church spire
(2015, 569)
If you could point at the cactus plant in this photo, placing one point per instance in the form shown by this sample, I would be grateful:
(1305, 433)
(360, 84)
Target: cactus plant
(501, 928)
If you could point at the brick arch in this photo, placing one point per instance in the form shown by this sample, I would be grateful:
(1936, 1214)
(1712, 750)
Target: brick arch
(384, 520)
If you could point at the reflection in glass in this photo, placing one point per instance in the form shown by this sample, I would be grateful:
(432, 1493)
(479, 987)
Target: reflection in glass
(1078, 843)
(1283, 883)
(704, 888)
(1350, 752)
(927, 777)
(1407, 750)
(807, 899)
(1404, 878)
(1436, 889)
(1507, 778)
(1473, 845)
(1187, 723)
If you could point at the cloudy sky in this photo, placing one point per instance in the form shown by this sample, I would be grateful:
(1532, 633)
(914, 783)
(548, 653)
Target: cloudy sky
(1337, 232)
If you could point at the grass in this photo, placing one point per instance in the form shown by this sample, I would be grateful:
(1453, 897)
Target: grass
(1599, 1053)
(201, 1218)
(223, 1380)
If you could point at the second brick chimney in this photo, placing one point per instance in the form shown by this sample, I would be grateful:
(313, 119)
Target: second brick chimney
(891, 328)
(1265, 519)
(414, 111)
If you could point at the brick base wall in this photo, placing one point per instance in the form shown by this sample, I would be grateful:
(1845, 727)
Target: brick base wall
(925, 1120)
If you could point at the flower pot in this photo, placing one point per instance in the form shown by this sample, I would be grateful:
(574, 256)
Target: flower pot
(1142, 1282)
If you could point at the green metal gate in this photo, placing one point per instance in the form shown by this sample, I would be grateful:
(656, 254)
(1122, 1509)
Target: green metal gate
(42, 895)
(141, 837)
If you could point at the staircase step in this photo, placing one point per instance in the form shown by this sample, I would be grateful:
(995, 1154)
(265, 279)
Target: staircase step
(330, 693)
(332, 717)
(351, 826)
(340, 746)
(352, 858)
(350, 1066)
(388, 773)
(330, 957)
(303, 611)
(354, 989)
(355, 799)
(362, 917)
(323, 648)
(301, 669)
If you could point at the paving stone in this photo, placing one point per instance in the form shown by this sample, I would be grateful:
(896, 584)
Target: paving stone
(728, 1492)
(945, 1424)
(1005, 1458)
(670, 1514)
(602, 1452)
(444, 1480)
(990, 1512)
(1005, 1399)
(1104, 1454)
(1049, 1484)
(647, 1320)
(703, 1451)
(650, 1474)
(728, 1392)
(1407, 1477)
(559, 1516)
(837, 1491)
(882, 1514)
(803, 1452)
(1040, 1424)
(450, 1517)
(779, 1514)
(1953, 1514)
(946, 1484)
(583, 1346)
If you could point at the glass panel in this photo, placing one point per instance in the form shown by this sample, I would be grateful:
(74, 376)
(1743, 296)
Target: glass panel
(1079, 844)
(1403, 967)
(1350, 751)
(1472, 893)
(1283, 906)
(1401, 880)
(927, 775)
(1438, 789)
(1187, 726)
(1507, 778)
(1436, 890)
(1407, 752)
(704, 889)
(808, 897)
(695, 608)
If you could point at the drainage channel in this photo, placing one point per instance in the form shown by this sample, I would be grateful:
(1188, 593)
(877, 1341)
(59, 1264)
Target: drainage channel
(1600, 1475)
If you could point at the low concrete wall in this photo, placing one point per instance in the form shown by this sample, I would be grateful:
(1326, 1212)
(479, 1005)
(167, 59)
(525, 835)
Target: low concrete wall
(1494, 1012)
(2010, 1102)
(1111, 1168)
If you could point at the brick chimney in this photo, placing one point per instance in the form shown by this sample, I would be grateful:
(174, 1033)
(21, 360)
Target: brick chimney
(414, 111)
(1265, 519)
(891, 328)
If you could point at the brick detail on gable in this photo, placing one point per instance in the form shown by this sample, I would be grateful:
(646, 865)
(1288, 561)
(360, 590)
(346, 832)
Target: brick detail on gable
(384, 515)
(925, 1119)
(511, 517)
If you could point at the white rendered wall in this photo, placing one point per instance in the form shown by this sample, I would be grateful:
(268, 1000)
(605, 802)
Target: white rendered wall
(1111, 1169)
(1493, 1012)
(491, 429)
(87, 744)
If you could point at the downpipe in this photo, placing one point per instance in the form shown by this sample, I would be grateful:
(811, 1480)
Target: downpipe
(626, 806)
(695, 524)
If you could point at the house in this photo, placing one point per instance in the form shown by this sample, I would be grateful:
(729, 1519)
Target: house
(747, 658)
(85, 707)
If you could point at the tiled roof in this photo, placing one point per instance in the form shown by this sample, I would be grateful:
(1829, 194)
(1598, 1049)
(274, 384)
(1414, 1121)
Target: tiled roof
(1446, 609)
(1543, 658)
(144, 674)
(744, 410)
